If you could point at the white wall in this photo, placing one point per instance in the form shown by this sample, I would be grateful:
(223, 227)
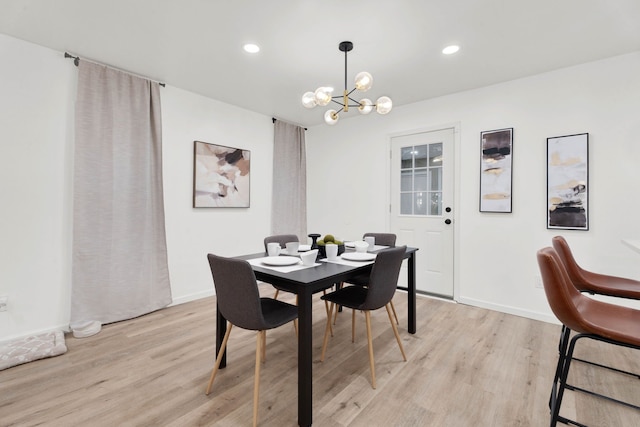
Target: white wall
(348, 169)
(192, 233)
(37, 87)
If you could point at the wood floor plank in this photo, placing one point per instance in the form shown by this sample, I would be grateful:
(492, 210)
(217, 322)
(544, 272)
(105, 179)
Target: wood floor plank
(466, 367)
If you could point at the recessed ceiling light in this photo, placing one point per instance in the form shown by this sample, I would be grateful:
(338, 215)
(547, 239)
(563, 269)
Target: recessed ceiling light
(451, 49)
(251, 48)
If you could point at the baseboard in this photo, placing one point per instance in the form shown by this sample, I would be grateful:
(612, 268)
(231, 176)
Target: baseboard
(192, 297)
(543, 317)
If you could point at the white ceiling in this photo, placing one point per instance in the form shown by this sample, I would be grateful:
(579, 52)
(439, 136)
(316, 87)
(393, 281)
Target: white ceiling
(197, 44)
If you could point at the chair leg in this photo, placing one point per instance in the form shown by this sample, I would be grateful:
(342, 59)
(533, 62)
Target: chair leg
(264, 346)
(353, 326)
(326, 332)
(276, 295)
(256, 383)
(219, 358)
(393, 308)
(395, 331)
(367, 315)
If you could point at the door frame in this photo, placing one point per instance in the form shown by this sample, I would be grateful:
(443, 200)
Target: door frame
(456, 188)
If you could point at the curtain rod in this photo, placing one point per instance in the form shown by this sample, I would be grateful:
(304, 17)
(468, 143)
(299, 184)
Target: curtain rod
(273, 120)
(76, 61)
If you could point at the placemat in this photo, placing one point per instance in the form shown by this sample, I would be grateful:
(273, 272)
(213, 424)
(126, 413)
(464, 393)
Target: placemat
(282, 269)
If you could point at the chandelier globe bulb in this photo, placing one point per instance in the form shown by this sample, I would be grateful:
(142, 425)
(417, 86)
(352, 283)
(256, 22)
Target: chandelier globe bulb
(309, 100)
(366, 106)
(331, 117)
(364, 81)
(384, 105)
(323, 95)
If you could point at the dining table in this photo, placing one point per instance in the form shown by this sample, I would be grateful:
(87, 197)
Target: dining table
(304, 282)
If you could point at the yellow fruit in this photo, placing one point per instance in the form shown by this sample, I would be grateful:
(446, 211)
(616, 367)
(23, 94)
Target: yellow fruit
(320, 242)
(329, 238)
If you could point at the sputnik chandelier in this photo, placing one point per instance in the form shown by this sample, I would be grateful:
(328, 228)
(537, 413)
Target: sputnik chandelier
(364, 81)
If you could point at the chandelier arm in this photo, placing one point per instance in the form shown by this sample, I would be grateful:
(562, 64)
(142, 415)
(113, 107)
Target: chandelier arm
(339, 103)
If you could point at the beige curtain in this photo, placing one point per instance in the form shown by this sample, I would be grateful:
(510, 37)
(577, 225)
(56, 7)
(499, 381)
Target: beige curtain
(289, 196)
(120, 268)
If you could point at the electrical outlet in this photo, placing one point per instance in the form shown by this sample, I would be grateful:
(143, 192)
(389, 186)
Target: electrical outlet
(537, 282)
(3, 302)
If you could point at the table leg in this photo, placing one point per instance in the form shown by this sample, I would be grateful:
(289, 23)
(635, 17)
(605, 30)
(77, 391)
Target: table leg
(305, 359)
(411, 292)
(221, 329)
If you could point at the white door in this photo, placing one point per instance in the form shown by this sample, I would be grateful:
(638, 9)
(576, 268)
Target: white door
(421, 214)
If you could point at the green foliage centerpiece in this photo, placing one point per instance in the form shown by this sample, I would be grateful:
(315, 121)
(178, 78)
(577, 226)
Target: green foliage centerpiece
(329, 239)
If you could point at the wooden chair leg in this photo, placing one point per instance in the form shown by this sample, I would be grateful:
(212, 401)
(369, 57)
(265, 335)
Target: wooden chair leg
(256, 382)
(326, 332)
(393, 308)
(276, 295)
(395, 331)
(353, 326)
(264, 346)
(367, 315)
(219, 358)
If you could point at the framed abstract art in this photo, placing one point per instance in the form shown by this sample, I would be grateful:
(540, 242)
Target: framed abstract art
(568, 182)
(221, 176)
(495, 170)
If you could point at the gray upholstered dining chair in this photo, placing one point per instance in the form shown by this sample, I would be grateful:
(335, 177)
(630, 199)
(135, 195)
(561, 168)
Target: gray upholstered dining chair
(240, 303)
(377, 294)
(383, 239)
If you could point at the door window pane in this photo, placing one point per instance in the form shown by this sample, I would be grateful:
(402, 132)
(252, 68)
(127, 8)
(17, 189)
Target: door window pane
(406, 180)
(420, 156)
(406, 204)
(435, 175)
(406, 158)
(435, 205)
(420, 206)
(435, 154)
(420, 180)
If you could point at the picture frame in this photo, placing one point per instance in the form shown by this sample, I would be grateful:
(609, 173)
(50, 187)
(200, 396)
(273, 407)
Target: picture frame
(568, 182)
(221, 176)
(496, 171)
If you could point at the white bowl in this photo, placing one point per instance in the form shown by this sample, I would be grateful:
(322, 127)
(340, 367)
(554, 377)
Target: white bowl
(309, 257)
(361, 246)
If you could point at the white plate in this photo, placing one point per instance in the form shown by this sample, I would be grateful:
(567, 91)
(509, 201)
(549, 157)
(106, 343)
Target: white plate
(281, 260)
(358, 256)
(304, 248)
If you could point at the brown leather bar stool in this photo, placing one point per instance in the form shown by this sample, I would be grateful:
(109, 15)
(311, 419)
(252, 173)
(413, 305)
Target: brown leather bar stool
(594, 283)
(589, 318)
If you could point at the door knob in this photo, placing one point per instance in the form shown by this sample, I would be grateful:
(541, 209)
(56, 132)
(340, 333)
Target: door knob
(447, 221)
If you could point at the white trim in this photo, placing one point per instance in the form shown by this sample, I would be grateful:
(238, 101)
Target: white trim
(543, 317)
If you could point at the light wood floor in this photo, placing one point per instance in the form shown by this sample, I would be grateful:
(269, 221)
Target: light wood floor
(467, 367)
